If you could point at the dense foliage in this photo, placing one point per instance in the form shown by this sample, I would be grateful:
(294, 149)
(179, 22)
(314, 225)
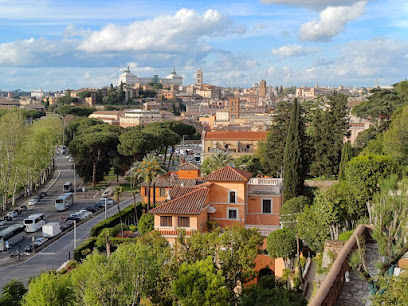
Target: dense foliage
(26, 151)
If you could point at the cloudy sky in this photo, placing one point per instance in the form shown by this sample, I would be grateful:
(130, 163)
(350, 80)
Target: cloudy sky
(58, 44)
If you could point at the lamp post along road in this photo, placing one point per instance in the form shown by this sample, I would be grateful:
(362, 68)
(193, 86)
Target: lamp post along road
(75, 234)
(105, 208)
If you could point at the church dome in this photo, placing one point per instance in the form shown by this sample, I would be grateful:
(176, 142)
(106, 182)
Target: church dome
(173, 75)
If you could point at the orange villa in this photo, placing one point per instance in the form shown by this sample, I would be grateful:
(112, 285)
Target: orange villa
(229, 196)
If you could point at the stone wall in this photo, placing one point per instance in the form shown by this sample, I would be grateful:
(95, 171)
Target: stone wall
(332, 286)
(332, 249)
(321, 184)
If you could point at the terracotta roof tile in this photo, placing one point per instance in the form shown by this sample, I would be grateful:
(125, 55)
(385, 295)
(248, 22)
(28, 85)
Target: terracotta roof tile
(230, 135)
(180, 191)
(229, 173)
(191, 203)
(189, 166)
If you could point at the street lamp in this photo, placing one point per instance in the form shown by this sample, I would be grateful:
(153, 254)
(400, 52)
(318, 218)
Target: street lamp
(75, 234)
(105, 208)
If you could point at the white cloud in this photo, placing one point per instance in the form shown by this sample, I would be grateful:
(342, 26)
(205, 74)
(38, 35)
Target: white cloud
(332, 21)
(380, 57)
(292, 50)
(171, 33)
(314, 4)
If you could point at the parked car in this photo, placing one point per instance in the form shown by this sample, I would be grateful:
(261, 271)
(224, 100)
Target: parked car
(77, 215)
(11, 215)
(39, 241)
(3, 222)
(33, 202)
(108, 201)
(43, 194)
(93, 208)
(29, 248)
(23, 208)
(85, 213)
(74, 218)
(67, 224)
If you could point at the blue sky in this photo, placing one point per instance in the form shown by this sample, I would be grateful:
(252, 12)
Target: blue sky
(55, 44)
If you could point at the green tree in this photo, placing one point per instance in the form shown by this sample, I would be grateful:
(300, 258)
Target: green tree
(270, 152)
(133, 142)
(93, 150)
(215, 162)
(12, 293)
(390, 212)
(330, 127)
(200, 283)
(396, 138)
(146, 223)
(363, 173)
(50, 289)
(267, 293)
(380, 106)
(394, 291)
(290, 211)
(148, 169)
(249, 163)
(293, 159)
(346, 155)
(282, 243)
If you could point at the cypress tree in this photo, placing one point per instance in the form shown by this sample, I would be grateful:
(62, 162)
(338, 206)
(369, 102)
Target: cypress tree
(346, 155)
(293, 159)
(330, 127)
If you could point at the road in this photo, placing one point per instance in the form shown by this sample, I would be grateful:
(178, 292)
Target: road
(54, 255)
(63, 173)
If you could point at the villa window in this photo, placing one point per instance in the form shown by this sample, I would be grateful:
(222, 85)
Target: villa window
(184, 221)
(232, 196)
(162, 192)
(166, 221)
(267, 206)
(232, 213)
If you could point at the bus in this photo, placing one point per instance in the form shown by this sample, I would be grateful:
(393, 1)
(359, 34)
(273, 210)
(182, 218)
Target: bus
(67, 187)
(64, 201)
(34, 222)
(13, 235)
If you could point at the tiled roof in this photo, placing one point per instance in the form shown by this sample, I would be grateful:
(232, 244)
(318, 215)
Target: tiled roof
(166, 181)
(180, 191)
(191, 203)
(229, 173)
(189, 166)
(242, 135)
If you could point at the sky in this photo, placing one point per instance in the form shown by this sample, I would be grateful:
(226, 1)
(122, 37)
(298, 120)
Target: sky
(56, 44)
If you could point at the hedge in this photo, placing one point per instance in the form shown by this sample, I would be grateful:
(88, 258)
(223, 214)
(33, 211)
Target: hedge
(87, 244)
(115, 219)
(345, 236)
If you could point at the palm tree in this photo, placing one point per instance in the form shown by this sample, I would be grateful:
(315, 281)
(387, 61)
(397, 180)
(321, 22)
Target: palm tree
(148, 169)
(117, 192)
(134, 193)
(216, 161)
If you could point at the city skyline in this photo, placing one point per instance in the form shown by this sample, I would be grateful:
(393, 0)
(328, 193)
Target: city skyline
(56, 45)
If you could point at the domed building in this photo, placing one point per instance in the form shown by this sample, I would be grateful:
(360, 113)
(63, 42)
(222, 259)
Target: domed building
(131, 79)
(128, 78)
(173, 79)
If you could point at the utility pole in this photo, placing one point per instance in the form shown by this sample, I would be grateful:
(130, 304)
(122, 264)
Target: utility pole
(75, 234)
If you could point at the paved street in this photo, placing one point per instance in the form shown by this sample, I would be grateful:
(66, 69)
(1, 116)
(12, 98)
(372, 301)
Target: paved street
(55, 254)
(63, 173)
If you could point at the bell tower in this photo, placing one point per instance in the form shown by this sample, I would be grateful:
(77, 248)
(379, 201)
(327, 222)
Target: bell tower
(199, 77)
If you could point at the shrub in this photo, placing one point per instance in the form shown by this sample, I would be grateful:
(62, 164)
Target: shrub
(345, 236)
(146, 223)
(86, 245)
(115, 219)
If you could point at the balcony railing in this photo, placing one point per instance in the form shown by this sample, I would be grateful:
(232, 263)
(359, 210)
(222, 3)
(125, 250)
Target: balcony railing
(265, 181)
(264, 230)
